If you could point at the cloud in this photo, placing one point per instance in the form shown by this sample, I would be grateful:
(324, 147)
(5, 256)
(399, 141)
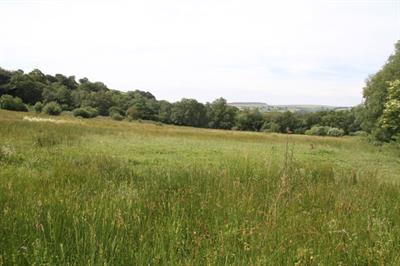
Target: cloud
(273, 51)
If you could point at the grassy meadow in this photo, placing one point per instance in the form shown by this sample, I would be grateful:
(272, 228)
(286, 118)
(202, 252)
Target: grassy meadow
(102, 192)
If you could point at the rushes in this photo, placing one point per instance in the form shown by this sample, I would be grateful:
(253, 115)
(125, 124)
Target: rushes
(285, 179)
(131, 195)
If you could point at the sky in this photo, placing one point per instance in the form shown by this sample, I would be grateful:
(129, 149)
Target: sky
(278, 52)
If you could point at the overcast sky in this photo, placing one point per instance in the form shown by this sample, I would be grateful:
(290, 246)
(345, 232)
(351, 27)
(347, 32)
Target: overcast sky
(278, 52)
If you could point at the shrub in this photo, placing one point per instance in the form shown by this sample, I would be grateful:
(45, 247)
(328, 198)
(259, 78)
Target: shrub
(85, 112)
(359, 133)
(270, 127)
(66, 107)
(397, 139)
(10, 103)
(52, 108)
(318, 131)
(117, 116)
(116, 113)
(38, 107)
(335, 132)
(300, 130)
(380, 134)
(116, 110)
(132, 113)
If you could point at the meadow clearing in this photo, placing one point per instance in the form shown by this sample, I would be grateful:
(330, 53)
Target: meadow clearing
(98, 191)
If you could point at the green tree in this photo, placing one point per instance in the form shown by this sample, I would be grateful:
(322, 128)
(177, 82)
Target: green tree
(345, 120)
(38, 76)
(69, 82)
(270, 127)
(24, 87)
(376, 90)
(146, 109)
(164, 112)
(92, 86)
(116, 110)
(189, 112)
(59, 93)
(249, 119)
(5, 77)
(390, 119)
(220, 114)
(132, 113)
(101, 100)
(289, 122)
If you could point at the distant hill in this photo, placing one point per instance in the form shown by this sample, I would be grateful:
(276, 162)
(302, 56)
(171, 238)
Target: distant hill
(244, 105)
(292, 108)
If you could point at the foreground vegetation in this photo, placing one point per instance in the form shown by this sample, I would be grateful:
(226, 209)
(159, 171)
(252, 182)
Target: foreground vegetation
(90, 192)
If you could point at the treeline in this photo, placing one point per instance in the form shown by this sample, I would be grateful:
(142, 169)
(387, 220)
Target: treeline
(378, 115)
(381, 107)
(55, 94)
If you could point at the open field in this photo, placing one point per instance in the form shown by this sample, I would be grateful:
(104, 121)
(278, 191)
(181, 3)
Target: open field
(97, 191)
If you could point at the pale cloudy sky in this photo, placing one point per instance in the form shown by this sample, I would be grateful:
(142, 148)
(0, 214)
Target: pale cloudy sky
(279, 52)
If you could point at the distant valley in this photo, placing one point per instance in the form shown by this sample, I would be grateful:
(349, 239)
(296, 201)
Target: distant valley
(282, 108)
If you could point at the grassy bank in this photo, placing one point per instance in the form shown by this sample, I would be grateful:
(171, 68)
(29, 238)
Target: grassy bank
(92, 192)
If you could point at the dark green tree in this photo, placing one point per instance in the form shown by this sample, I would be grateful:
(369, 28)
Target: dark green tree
(69, 82)
(290, 122)
(249, 119)
(59, 93)
(164, 112)
(376, 90)
(5, 77)
(220, 114)
(189, 112)
(25, 87)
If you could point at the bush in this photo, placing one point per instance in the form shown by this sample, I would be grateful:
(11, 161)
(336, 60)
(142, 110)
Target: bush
(81, 112)
(66, 107)
(116, 110)
(132, 113)
(116, 113)
(52, 108)
(396, 139)
(117, 116)
(85, 112)
(38, 107)
(318, 131)
(270, 127)
(381, 134)
(10, 103)
(359, 133)
(335, 132)
(300, 130)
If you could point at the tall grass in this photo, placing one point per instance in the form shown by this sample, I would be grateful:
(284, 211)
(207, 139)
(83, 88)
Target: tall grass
(129, 195)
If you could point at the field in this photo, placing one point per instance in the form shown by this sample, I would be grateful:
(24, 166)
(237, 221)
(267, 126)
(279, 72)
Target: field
(93, 192)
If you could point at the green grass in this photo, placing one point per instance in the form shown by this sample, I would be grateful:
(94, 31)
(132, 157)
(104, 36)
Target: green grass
(93, 192)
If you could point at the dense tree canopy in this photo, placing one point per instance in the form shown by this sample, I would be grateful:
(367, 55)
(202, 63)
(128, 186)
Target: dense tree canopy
(376, 95)
(390, 119)
(249, 119)
(189, 112)
(220, 114)
(87, 99)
